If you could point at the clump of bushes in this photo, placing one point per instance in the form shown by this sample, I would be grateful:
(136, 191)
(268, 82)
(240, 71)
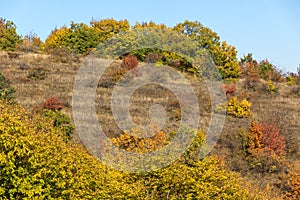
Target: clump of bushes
(31, 43)
(131, 143)
(251, 74)
(254, 71)
(265, 137)
(291, 80)
(270, 87)
(36, 163)
(51, 109)
(44, 166)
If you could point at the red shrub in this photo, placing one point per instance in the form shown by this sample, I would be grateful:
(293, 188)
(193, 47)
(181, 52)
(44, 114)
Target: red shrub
(130, 62)
(52, 103)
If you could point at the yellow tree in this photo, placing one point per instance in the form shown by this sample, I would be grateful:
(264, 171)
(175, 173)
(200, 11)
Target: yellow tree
(151, 24)
(58, 38)
(106, 28)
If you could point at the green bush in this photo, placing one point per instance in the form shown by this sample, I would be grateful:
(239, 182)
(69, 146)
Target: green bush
(6, 91)
(37, 74)
(61, 123)
(290, 80)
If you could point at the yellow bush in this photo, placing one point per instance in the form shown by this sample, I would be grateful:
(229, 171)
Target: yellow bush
(35, 163)
(238, 108)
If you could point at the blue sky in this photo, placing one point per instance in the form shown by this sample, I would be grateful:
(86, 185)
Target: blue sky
(267, 28)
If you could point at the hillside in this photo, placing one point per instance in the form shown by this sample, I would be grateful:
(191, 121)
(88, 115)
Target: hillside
(37, 77)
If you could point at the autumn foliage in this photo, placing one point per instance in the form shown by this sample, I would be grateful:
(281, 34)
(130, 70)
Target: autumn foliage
(229, 89)
(130, 62)
(266, 138)
(291, 184)
(238, 108)
(52, 103)
(35, 162)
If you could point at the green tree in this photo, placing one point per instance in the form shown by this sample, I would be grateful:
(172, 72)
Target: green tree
(9, 38)
(205, 36)
(224, 55)
(83, 38)
(247, 59)
(79, 38)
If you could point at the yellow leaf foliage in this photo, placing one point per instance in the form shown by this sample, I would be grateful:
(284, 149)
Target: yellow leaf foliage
(238, 108)
(36, 163)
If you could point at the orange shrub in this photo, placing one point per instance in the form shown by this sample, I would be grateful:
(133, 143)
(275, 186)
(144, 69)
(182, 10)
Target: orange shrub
(292, 183)
(266, 138)
(229, 89)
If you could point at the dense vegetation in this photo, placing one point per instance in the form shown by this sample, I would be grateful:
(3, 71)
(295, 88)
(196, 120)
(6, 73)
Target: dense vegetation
(39, 157)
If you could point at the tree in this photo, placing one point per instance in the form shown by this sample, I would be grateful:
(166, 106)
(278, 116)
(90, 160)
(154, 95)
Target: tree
(224, 55)
(79, 38)
(247, 59)
(107, 28)
(151, 24)
(83, 38)
(58, 38)
(9, 38)
(205, 36)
